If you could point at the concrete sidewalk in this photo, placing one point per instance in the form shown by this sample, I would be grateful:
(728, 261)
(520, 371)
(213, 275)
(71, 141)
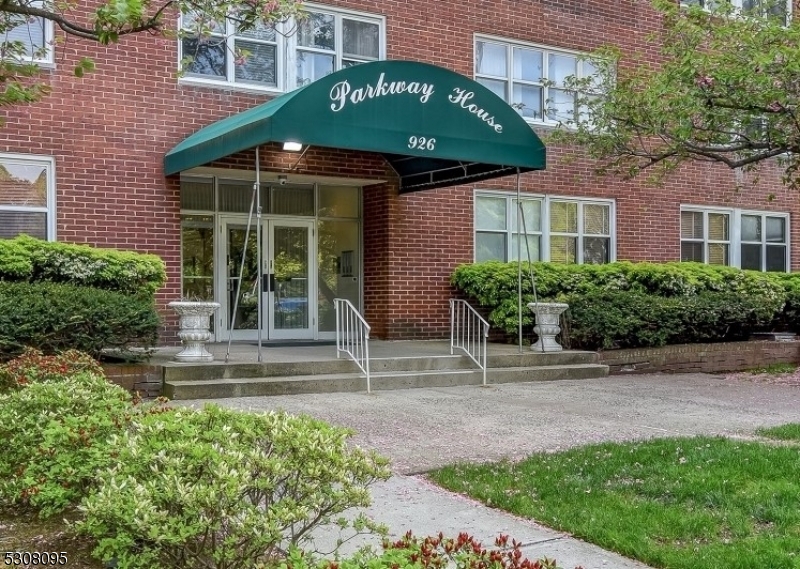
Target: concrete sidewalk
(422, 429)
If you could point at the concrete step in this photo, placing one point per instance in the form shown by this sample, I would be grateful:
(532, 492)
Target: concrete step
(356, 382)
(529, 358)
(421, 363)
(319, 383)
(546, 373)
(217, 370)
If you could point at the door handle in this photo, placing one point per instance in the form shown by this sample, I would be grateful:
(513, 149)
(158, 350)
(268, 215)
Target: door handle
(268, 280)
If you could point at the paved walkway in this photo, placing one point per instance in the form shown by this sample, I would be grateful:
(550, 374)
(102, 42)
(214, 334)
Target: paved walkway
(422, 429)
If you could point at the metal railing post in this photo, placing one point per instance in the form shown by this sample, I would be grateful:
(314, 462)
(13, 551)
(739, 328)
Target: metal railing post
(469, 332)
(352, 336)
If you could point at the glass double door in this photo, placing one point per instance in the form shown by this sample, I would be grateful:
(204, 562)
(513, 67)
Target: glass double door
(287, 285)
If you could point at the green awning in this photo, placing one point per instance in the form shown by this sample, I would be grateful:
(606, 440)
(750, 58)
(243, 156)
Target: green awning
(435, 127)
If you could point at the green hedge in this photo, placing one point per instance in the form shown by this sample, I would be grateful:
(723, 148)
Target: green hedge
(53, 317)
(25, 259)
(638, 304)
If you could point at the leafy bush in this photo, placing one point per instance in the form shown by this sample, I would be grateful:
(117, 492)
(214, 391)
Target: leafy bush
(432, 552)
(55, 317)
(53, 436)
(220, 488)
(635, 304)
(26, 259)
(34, 367)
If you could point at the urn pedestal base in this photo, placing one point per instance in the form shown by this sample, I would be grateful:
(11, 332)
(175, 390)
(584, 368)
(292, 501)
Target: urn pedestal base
(195, 329)
(548, 317)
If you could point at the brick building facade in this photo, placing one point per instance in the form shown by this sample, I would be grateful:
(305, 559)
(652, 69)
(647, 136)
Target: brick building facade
(100, 141)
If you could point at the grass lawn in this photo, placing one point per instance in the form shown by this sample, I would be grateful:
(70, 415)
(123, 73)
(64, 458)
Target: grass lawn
(789, 432)
(693, 503)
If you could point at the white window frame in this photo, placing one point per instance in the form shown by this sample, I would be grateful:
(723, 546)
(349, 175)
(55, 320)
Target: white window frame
(50, 208)
(508, 78)
(48, 60)
(286, 59)
(737, 5)
(545, 233)
(735, 233)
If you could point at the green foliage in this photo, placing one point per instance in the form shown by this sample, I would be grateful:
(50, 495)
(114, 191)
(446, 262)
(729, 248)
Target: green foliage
(28, 259)
(634, 304)
(432, 552)
(787, 432)
(54, 317)
(218, 488)
(34, 367)
(53, 437)
(725, 90)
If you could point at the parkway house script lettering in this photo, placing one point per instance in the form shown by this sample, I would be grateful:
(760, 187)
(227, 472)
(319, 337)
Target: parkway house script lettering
(342, 94)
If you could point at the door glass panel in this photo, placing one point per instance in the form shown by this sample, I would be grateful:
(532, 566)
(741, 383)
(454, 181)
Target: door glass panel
(247, 312)
(339, 268)
(290, 267)
(197, 257)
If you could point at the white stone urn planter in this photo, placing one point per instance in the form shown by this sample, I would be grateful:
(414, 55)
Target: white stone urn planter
(548, 318)
(195, 319)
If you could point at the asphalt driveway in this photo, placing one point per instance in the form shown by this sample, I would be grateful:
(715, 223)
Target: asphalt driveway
(421, 429)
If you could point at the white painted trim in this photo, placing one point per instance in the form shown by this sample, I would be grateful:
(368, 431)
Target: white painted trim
(286, 48)
(545, 233)
(735, 234)
(50, 165)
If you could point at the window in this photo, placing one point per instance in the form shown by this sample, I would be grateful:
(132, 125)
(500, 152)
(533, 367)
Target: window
(33, 37)
(558, 229)
(778, 8)
(27, 196)
(580, 232)
(531, 78)
(705, 237)
(273, 59)
(329, 41)
(764, 242)
(744, 239)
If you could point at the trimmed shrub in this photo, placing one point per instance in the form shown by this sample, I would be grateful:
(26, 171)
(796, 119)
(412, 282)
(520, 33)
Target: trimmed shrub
(220, 488)
(26, 259)
(53, 436)
(628, 304)
(55, 317)
(34, 367)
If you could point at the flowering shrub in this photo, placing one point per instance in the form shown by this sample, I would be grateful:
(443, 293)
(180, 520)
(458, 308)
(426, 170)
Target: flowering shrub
(54, 437)
(432, 552)
(218, 488)
(35, 367)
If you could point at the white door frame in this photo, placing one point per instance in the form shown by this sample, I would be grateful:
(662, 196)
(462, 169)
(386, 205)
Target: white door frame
(309, 333)
(269, 332)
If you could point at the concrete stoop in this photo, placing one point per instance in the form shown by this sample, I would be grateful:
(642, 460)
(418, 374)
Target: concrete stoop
(217, 380)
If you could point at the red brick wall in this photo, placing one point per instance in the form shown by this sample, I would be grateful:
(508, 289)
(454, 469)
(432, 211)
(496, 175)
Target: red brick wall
(110, 130)
(706, 358)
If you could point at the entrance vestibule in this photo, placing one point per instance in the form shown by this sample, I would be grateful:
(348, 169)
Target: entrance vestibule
(311, 254)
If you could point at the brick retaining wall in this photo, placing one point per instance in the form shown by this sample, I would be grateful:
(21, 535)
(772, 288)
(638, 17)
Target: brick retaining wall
(726, 356)
(145, 379)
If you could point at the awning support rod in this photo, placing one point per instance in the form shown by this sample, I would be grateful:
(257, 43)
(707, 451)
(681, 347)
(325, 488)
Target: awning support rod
(241, 276)
(259, 268)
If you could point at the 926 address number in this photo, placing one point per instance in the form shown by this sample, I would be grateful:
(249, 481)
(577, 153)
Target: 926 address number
(28, 558)
(421, 143)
